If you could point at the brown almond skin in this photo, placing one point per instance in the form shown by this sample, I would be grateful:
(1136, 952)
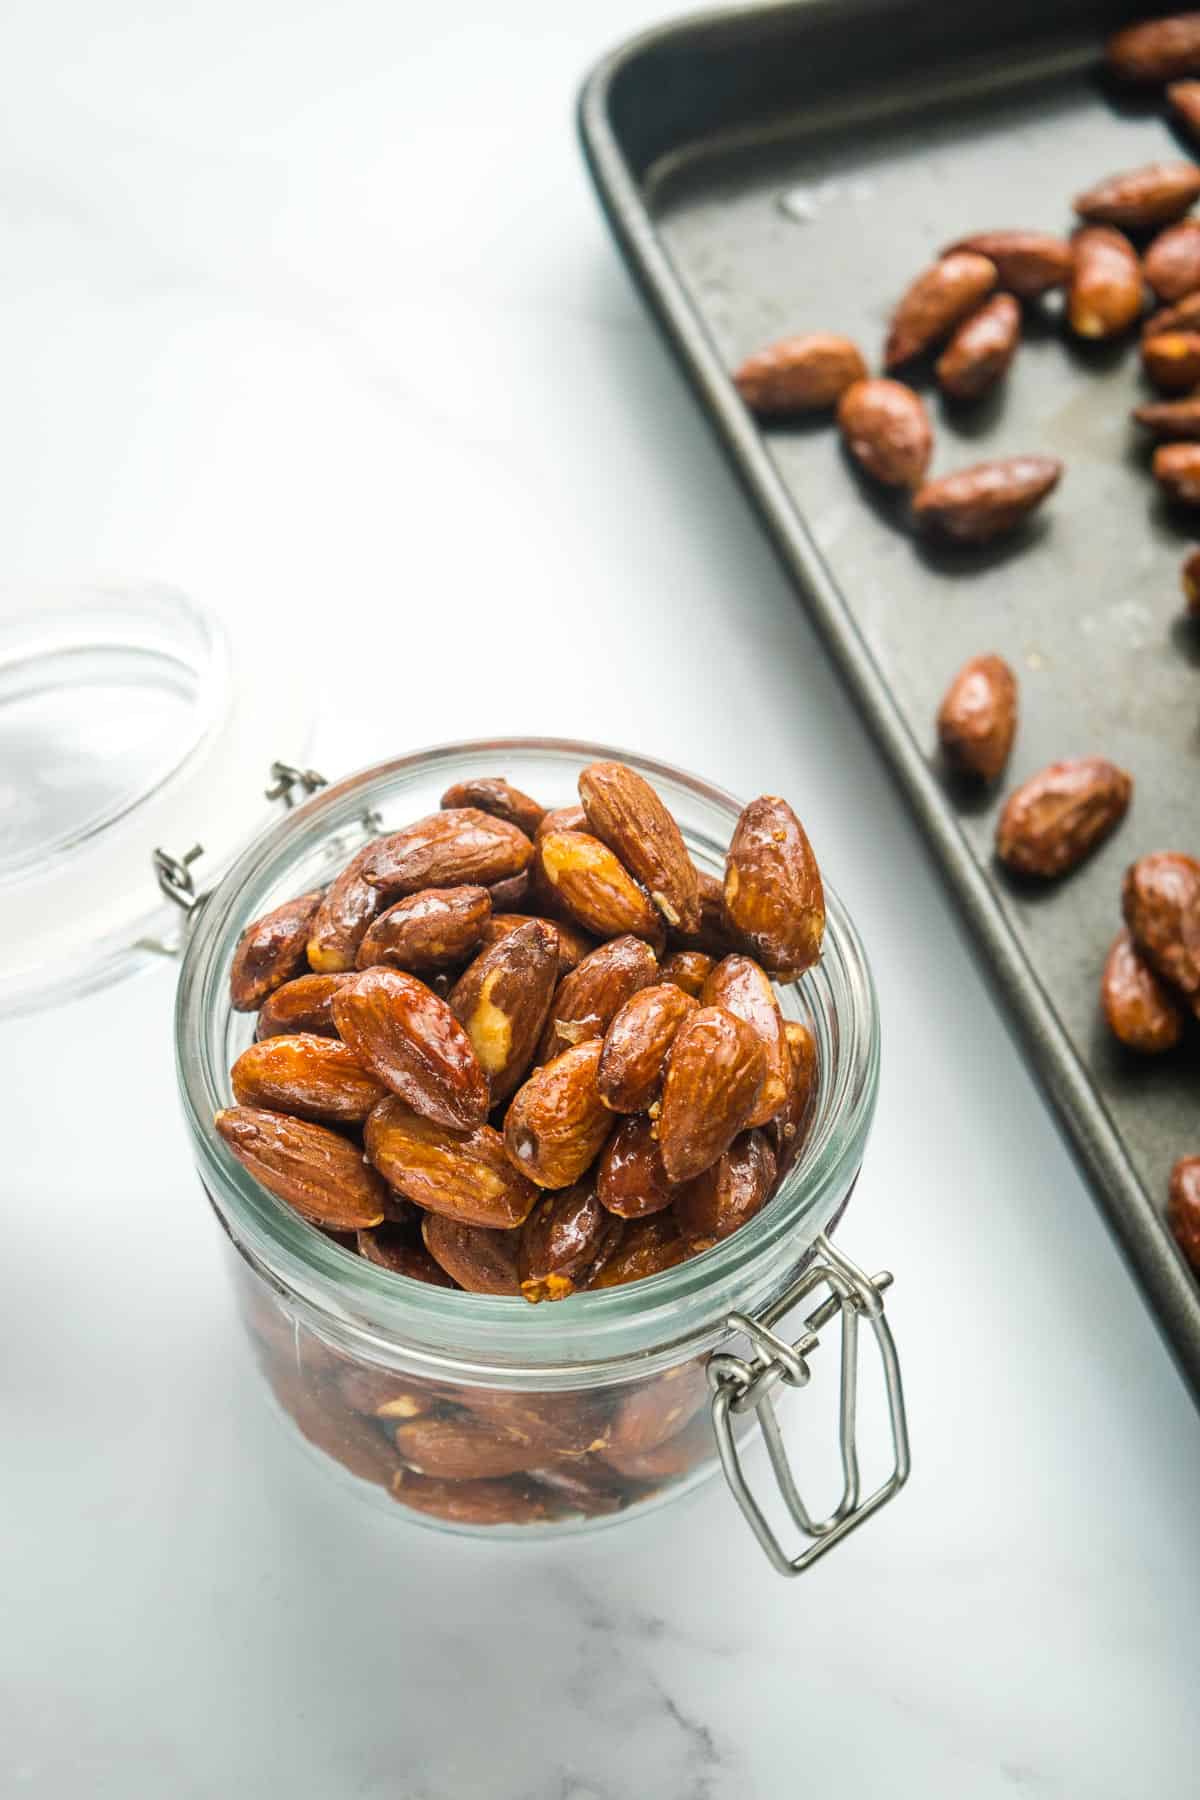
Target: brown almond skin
(1157, 50)
(799, 374)
(1171, 263)
(308, 1076)
(977, 720)
(405, 1035)
(460, 1448)
(381, 1393)
(1176, 469)
(786, 1131)
(625, 813)
(503, 999)
(773, 899)
(656, 1410)
(479, 1258)
(1105, 292)
(975, 505)
(1141, 199)
(648, 1247)
(688, 1448)
(323, 1176)
(726, 1196)
(516, 1502)
(448, 849)
(590, 997)
(636, 1046)
(1183, 1208)
(1140, 1009)
(688, 969)
(492, 794)
(1189, 580)
(573, 944)
(514, 894)
(714, 1078)
(435, 929)
(1056, 818)
(1028, 263)
(886, 430)
(743, 988)
(390, 1247)
(358, 1444)
(559, 1242)
(557, 1123)
(936, 301)
(1183, 97)
(340, 923)
(1171, 360)
(562, 818)
(305, 1004)
(1183, 316)
(714, 938)
(1171, 418)
(982, 347)
(270, 952)
(595, 888)
(631, 1181)
(1160, 901)
(464, 1175)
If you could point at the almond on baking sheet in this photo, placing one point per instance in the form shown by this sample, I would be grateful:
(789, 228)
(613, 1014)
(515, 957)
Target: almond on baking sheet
(502, 1001)
(1171, 264)
(974, 505)
(340, 923)
(308, 1076)
(434, 929)
(448, 849)
(1176, 469)
(931, 307)
(1160, 901)
(625, 813)
(713, 1082)
(590, 997)
(636, 1046)
(270, 952)
(1140, 1008)
(981, 349)
(1140, 199)
(742, 987)
(773, 898)
(481, 1259)
(1057, 817)
(594, 886)
(1027, 263)
(631, 1180)
(717, 1202)
(1157, 50)
(1105, 292)
(1171, 360)
(321, 1175)
(977, 719)
(560, 1240)
(799, 374)
(492, 794)
(304, 1004)
(887, 431)
(557, 1123)
(464, 1174)
(404, 1034)
(1171, 418)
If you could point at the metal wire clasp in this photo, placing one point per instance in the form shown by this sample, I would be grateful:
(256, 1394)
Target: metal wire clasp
(743, 1384)
(174, 873)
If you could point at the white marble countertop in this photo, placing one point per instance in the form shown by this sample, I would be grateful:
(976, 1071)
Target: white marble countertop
(309, 308)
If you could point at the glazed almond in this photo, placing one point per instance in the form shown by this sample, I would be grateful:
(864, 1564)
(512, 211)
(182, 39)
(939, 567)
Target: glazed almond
(714, 1079)
(305, 1004)
(714, 938)
(502, 1001)
(562, 818)
(1171, 418)
(886, 429)
(557, 1123)
(1171, 360)
(636, 1046)
(1027, 263)
(461, 846)
(1104, 295)
(595, 887)
(648, 1247)
(404, 1034)
(434, 929)
(1060, 815)
(773, 898)
(464, 1175)
(631, 1180)
(573, 944)
(390, 1247)
(321, 1175)
(481, 1259)
(974, 505)
(741, 986)
(1158, 50)
(270, 952)
(1141, 1010)
(785, 1133)
(625, 813)
(1183, 1208)
(1171, 263)
(591, 996)
(977, 719)
(560, 1241)
(721, 1200)
(308, 1076)
(981, 349)
(1141, 199)
(1177, 471)
(492, 794)
(935, 302)
(340, 923)
(1160, 900)
(799, 374)
(688, 969)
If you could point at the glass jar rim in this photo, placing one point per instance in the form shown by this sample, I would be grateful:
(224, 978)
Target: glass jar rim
(470, 1333)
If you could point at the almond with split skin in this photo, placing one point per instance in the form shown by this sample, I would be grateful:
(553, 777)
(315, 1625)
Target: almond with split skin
(480, 1259)
(1160, 900)
(936, 301)
(557, 1124)
(409, 1038)
(1158, 50)
(636, 1046)
(1028, 263)
(1059, 816)
(503, 999)
(979, 353)
(270, 952)
(1141, 199)
(1176, 469)
(713, 1082)
(305, 1004)
(560, 1241)
(1171, 360)
(492, 794)
(725, 1196)
(742, 987)
(887, 431)
(320, 1174)
(1105, 292)
(595, 888)
(457, 847)
(632, 1182)
(977, 720)
(591, 996)
(1141, 1010)
(464, 1175)
(773, 899)
(975, 505)
(1171, 264)
(625, 813)
(799, 374)
(308, 1076)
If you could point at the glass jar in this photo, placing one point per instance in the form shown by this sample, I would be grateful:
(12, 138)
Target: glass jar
(489, 1415)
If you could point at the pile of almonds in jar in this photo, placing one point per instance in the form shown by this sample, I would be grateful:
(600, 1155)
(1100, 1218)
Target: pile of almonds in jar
(522, 1052)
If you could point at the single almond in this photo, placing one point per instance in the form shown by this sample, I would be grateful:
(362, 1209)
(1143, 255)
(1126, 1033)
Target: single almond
(653, 1411)
(977, 720)
(1058, 817)
(573, 944)
(481, 1259)
(434, 929)
(688, 969)
(1027, 263)
(448, 849)
(1183, 1208)
(631, 1180)
(340, 923)
(404, 1034)
(517, 1501)
(323, 1176)
(773, 898)
(886, 429)
(625, 813)
(1105, 293)
(1176, 469)
(502, 1001)
(935, 302)
(1160, 900)
(974, 505)
(1183, 316)
(308, 1076)
(636, 1045)
(591, 996)
(1140, 199)
(560, 1240)
(1157, 50)
(492, 794)
(742, 987)
(714, 1078)
(1183, 97)
(979, 353)
(460, 1448)
(1171, 360)
(648, 1247)
(1140, 1008)
(596, 889)
(305, 1004)
(391, 1247)
(1171, 418)
(1171, 263)
(725, 1196)
(799, 374)
(786, 1131)
(462, 1174)
(557, 1123)
(270, 952)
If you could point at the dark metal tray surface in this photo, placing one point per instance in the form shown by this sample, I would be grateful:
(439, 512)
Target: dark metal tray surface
(787, 168)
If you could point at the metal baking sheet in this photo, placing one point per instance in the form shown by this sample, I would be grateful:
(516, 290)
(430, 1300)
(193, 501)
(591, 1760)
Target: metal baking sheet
(771, 170)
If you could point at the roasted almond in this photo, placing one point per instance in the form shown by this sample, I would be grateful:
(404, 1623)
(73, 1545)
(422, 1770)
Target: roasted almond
(689, 969)
(773, 898)
(1171, 418)
(1177, 471)
(492, 794)
(625, 813)
(1183, 316)
(1184, 100)
(271, 952)
(636, 1046)
(935, 302)
(786, 1131)
(560, 1240)
(591, 996)
(725, 1196)
(502, 1001)
(981, 349)
(714, 1079)
(557, 1123)
(448, 849)
(1183, 1207)
(595, 888)
(514, 893)
(974, 505)
(886, 430)
(340, 923)
(1141, 1010)
(1189, 580)
(320, 1174)
(1027, 263)
(305, 1004)
(465, 1175)
(391, 1247)
(460, 1447)
(402, 1032)
(481, 1259)
(357, 1443)
(1104, 296)
(518, 1501)
(569, 1423)
(799, 374)
(631, 1181)
(1172, 262)
(562, 818)
(686, 1450)
(1158, 50)
(1141, 199)
(1160, 900)
(1059, 815)
(977, 719)
(431, 930)
(1171, 360)
(742, 987)
(648, 1247)
(657, 1409)
(573, 944)
(308, 1076)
